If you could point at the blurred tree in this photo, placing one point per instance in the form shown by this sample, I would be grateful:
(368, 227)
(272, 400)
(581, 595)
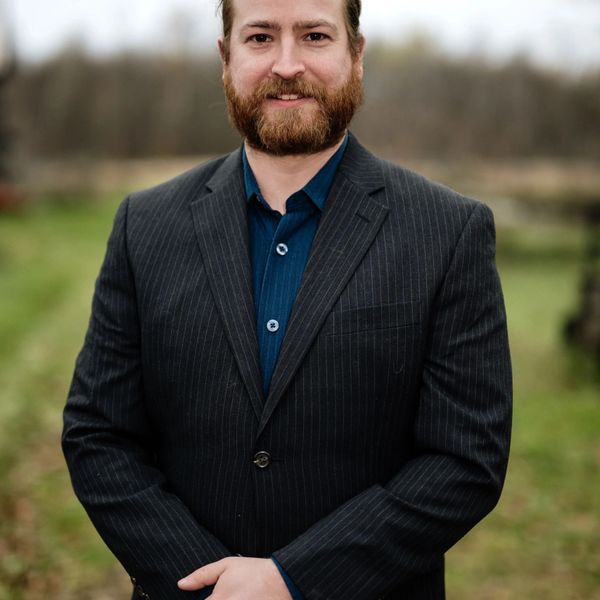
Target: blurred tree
(440, 107)
(134, 105)
(7, 69)
(181, 32)
(8, 196)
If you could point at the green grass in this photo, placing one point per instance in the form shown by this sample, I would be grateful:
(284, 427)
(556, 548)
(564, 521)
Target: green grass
(542, 541)
(49, 257)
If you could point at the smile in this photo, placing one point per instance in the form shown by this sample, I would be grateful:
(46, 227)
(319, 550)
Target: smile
(288, 100)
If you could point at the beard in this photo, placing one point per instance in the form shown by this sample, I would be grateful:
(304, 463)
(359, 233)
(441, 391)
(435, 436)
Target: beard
(289, 131)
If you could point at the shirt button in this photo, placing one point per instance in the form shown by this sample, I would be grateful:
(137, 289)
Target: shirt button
(262, 459)
(273, 326)
(282, 249)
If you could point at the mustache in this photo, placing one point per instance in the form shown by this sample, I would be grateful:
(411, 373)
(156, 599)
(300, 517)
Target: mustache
(295, 87)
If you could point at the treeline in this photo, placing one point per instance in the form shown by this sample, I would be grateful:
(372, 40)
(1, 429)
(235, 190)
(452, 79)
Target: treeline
(419, 103)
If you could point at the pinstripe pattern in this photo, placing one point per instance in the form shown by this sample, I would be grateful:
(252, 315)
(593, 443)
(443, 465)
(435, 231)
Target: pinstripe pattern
(388, 417)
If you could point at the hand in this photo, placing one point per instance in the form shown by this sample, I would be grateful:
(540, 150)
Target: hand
(239, 578)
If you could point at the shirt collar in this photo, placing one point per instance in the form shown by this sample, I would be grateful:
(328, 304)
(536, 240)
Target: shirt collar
(317, 189)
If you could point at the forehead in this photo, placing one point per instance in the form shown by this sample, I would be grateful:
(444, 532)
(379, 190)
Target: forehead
(284, 12)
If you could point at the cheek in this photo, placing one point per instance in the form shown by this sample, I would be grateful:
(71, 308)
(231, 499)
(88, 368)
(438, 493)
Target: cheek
(334, 73)
(248, 77)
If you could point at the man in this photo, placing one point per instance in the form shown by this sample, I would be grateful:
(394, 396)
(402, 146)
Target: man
(296, 380)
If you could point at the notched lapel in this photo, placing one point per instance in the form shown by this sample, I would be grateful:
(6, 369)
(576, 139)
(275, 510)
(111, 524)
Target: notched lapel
(350, 223)
(220, 221)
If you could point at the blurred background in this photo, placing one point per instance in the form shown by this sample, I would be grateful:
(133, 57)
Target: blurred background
(500, 100)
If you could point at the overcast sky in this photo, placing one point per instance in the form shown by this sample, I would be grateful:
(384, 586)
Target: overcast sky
(562, 33)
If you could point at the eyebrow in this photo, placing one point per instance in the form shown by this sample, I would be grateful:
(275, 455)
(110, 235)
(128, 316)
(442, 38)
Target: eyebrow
(301, 25)
(315, 24)
(262, 25)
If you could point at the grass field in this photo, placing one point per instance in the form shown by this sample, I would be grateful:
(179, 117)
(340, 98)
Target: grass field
(543, 540)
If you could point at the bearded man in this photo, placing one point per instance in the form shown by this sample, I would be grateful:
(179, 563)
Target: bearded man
(296, 380)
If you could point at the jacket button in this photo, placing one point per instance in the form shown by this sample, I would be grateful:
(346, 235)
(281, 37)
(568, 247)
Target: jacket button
(262, 459)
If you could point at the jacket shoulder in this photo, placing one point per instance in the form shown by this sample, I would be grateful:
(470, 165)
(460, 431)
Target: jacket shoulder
(398, 187)
(413, 188)
(429, 206)
(178, 191)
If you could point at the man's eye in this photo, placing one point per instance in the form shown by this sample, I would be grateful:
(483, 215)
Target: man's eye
(259, 38)
(315, 36)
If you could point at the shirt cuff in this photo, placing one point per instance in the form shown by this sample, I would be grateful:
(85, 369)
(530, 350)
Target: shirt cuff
(291, 586)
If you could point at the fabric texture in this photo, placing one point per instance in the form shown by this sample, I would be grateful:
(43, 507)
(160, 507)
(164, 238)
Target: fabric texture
(385, 433)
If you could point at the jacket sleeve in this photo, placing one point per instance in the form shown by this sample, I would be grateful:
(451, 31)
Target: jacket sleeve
(107, 441)
(390, 533)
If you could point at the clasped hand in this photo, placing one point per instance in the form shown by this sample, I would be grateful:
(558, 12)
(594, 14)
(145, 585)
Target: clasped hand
(239, 578)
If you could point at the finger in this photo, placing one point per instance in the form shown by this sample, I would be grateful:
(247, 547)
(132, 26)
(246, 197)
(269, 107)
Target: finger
(206, 575)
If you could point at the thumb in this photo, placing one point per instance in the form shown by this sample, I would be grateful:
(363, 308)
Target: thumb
(203, 577)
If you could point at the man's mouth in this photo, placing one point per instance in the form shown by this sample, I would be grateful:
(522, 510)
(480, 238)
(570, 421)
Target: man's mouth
(287, 97)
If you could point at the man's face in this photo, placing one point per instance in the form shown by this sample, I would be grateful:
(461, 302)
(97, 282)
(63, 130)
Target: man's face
(291, 83)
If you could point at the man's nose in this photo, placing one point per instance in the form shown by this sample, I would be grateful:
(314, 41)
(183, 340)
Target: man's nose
(288, 63)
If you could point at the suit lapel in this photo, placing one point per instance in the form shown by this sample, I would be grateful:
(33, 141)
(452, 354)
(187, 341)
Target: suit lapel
(220, 221)
(349, 224)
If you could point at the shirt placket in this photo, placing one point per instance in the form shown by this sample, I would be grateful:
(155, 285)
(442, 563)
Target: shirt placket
(280, 282)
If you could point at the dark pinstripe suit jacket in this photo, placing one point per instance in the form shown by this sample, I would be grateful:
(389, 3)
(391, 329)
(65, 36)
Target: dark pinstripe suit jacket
(388, 418)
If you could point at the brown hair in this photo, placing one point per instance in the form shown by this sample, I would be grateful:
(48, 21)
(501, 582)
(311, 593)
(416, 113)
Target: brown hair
(353, 10)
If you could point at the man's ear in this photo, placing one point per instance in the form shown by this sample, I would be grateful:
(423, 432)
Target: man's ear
(223, 53)
(360, 55)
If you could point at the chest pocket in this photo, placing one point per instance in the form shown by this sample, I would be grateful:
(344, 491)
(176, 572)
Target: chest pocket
(374, 318)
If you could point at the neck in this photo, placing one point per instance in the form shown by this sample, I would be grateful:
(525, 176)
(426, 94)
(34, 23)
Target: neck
(278, 177)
